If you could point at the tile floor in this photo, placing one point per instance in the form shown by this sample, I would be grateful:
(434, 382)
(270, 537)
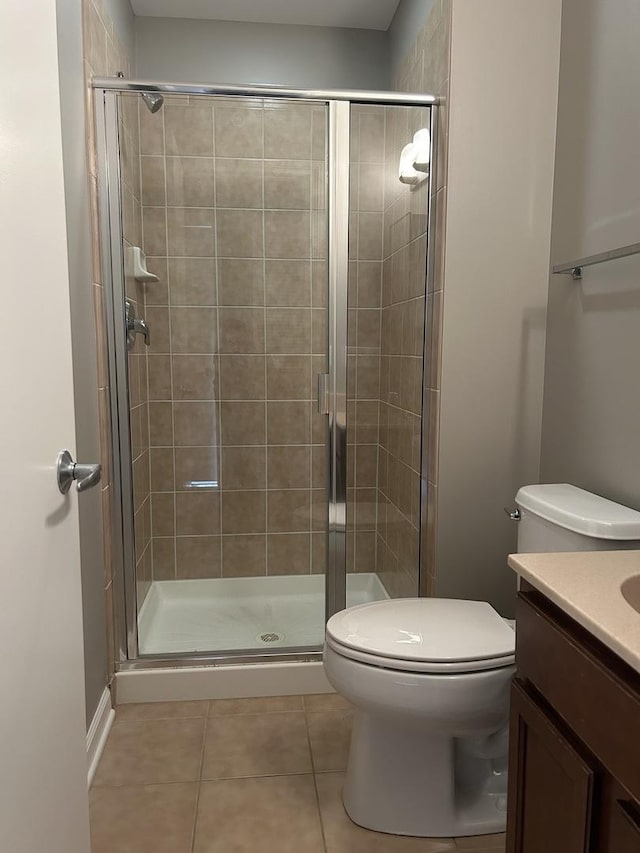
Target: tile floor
(237, 776)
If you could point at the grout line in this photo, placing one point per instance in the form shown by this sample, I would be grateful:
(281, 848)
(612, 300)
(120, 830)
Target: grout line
(102, 787)
(169, 301)
(296, 210)
(197, 802)
(367, 529)
(311, 336)
(124, 722)
(378, 490)
(354, 240)
(315, 781)
(264, 332)
(253, 714)
(217, 355)
(214, 156)
(272, 776)
(149, 544)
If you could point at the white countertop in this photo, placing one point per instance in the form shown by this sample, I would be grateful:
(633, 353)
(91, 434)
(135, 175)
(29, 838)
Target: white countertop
(586, 585)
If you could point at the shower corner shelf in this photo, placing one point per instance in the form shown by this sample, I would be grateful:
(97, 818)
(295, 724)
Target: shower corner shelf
(136, 266)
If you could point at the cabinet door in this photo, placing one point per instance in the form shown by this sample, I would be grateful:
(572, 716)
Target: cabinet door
(550, 784)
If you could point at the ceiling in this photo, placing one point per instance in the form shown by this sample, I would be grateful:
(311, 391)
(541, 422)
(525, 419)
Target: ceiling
(365, 14)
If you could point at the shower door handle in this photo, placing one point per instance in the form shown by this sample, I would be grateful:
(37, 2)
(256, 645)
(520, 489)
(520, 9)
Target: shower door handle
(85, 475)
(323, 393)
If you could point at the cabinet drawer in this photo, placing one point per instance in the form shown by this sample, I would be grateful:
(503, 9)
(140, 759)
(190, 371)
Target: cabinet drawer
(619, 821)
(584, 687)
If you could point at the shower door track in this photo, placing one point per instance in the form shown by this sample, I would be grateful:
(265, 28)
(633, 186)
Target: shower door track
(354, 96)
(106, 91)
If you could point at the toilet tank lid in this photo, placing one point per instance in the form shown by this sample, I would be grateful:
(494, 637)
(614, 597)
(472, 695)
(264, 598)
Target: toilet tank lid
(580, 511)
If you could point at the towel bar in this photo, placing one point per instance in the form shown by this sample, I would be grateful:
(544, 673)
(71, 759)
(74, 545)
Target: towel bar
(574, 269)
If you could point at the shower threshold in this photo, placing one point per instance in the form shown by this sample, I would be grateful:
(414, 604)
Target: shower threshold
(215, 614)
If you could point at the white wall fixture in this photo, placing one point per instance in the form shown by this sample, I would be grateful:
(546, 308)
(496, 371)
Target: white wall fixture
(422, 150)
(407, 172)
(414, 159)
(136, 265)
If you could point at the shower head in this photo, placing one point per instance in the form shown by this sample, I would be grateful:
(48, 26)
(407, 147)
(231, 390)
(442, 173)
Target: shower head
(153, 101)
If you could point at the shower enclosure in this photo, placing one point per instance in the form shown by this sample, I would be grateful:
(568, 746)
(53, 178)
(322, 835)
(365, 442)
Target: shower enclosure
(266, 285)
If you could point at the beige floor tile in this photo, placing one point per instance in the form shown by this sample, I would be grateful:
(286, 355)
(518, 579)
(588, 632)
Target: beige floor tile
(326, 702)
(278, 814)
(330, 736)
(343, 836)
(256, 745)
(143, 819)
(484, 843)
(139, 753)
(161, 710)
(261, 705)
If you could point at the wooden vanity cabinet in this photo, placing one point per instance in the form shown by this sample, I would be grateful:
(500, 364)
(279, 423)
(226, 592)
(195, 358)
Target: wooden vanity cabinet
(574, 762)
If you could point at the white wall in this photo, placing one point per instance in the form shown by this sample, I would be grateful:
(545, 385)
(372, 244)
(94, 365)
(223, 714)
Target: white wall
(592, 406)
(503, 98)
(229, 52)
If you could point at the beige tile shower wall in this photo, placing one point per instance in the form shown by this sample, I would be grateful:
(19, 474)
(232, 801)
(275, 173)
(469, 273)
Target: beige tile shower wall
(426, 68)
(234, 224)
(103, 55)
(364, 319)
(401, 362)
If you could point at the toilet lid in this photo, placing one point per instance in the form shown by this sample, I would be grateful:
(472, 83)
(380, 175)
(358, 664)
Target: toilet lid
(427, 630)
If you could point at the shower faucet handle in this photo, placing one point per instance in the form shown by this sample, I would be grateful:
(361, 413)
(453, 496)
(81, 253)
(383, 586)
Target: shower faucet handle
(135, 325)
(140, 327)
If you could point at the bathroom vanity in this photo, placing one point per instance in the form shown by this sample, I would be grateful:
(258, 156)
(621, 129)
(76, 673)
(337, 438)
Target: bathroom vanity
(574, 761)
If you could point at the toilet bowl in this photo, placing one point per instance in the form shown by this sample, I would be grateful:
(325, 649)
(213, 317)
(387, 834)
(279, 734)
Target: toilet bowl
(429, 679)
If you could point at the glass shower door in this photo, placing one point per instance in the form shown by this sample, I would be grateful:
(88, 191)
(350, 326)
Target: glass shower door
(387, 304)
(227, 198)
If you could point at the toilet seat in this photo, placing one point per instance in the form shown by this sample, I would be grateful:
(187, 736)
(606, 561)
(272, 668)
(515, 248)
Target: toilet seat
(427, 667)
(430, 635)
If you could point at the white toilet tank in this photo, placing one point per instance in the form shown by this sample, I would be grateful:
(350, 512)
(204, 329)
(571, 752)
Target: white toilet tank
(561, 517)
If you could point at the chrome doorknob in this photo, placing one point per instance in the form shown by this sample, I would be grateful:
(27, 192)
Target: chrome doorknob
(67, 471)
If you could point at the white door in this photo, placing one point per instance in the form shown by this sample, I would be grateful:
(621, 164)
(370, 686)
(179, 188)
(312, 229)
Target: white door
(43, 774)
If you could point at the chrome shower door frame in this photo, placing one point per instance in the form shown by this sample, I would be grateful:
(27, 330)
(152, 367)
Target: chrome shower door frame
(338, 271)
(106, 111)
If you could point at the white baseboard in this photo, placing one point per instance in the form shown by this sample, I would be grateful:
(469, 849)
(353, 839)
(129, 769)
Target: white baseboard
(98, 733)
(221, 682)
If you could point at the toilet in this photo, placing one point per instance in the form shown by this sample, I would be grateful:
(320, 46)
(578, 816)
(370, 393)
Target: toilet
(430, 679)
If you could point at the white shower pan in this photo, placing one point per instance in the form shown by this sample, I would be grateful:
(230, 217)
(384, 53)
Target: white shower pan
(230, 614)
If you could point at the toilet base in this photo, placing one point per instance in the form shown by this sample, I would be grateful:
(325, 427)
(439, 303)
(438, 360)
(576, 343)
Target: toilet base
(400, 782)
